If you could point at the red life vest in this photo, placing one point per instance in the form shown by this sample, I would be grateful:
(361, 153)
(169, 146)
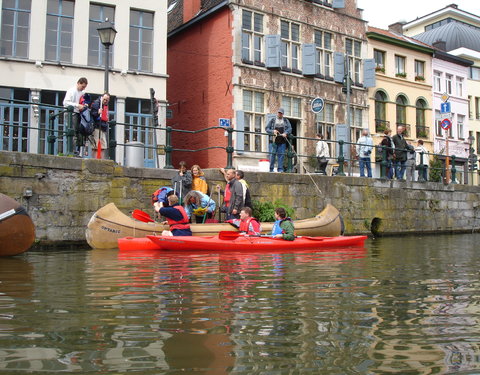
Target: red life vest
(181, 224)
(228, 194)
(245, 226)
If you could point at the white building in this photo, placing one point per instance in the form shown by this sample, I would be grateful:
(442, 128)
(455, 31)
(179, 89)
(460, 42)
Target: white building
(46, 45)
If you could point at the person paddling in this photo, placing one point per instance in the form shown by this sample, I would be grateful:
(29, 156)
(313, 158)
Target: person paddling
(247, 224)
(176, 216)
(283, 226)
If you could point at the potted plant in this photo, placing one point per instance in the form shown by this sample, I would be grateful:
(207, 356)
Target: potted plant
(380, 69)
(401, 75)
(419, 78)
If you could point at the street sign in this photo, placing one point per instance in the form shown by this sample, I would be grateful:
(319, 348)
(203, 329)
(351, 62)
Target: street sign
(224, 122)
(446, 124)
(445, 97)
(445, 107)
(317, 105)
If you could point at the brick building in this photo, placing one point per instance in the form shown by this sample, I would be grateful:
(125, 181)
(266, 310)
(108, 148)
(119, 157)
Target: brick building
(243, 59)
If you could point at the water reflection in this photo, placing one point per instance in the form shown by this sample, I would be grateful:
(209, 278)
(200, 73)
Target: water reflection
(400, 305)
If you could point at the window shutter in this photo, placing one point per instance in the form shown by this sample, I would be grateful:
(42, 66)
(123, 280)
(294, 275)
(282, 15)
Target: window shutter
(339, 62)
(240, 127)
(272, 43)
(338, 4)
(369, 73)
(309, 59)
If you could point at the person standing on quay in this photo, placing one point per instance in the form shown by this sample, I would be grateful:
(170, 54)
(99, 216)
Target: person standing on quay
(323, 153)
(400, 152)
(101, 118)
(72, 98)
(364, 151)
(279, 127)
(232, 196)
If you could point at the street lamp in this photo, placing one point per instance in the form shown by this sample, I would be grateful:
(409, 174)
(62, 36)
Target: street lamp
(107, 33)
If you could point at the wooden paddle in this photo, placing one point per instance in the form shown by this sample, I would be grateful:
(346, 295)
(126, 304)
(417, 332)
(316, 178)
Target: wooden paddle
(142, 216)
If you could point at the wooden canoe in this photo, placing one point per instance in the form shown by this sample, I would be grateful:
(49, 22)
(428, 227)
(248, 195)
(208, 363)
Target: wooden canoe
(109, 224)
(17, 231)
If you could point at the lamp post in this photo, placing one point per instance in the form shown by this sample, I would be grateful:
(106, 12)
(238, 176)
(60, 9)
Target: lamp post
(107, 34)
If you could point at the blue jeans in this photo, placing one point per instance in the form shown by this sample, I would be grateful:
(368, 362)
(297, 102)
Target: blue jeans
(399, 169)
(365, 162)
(277, 150)
(389, 169)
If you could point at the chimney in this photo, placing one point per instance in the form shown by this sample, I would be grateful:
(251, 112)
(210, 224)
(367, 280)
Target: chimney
(440, 44)
(190, 9)
(396, 27)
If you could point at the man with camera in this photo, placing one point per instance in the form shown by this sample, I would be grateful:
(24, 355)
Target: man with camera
(364, 150)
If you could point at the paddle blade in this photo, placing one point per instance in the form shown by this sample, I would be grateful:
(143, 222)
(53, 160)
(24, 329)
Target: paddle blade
(228, 235)
(99, 149)
(142, 216)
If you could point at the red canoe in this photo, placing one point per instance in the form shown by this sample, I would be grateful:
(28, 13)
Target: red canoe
(233, 243)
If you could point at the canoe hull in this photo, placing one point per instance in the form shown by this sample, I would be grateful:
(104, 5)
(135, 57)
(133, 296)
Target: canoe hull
(243, 243)
(17, 231)
(109, 224)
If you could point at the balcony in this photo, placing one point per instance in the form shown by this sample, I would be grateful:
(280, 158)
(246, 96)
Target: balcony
(422, 131)
(381, 125)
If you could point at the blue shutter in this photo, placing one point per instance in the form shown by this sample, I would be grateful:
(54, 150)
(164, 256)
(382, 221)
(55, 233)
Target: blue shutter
(309, 63)
(272, 43)
(240, 127)
(339, 67)
(342, 132)
(369, 73)
(338, 4)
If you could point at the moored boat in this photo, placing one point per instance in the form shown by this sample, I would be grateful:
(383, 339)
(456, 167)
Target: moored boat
(17, 231)
(247, 243)
(109, 224)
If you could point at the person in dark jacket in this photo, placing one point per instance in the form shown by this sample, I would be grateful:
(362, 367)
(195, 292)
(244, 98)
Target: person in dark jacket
(400, 153)
(182, 181)
(232, 196)
(99, 110)
(279, 127)
(389, 150)
(176, 216)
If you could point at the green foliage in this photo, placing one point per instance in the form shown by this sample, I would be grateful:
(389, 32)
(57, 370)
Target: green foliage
(435, 170)
(265, 211)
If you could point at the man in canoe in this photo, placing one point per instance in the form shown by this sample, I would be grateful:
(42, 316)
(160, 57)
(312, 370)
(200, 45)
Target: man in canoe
(176, 216)
(247, 224)
(283, 226)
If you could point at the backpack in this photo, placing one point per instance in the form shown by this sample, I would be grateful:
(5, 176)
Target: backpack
(86, 119)
(161, 195)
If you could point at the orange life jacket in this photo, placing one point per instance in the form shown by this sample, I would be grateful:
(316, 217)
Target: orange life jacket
(245, 226)
(181, 224)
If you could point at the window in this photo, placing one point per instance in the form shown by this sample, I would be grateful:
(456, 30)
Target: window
(96, 50)
(400, 66)
(438, 122)
(292, 106)
(141, 41)
(470, 113)
(252, 37)
(421, 128)
(254, 112)
(448, 83)
(475, 73)
(437, 81)
(460, 126)
(325, 122)
(439, 23)
(379, 57)
(380, 112)
(290, 49)
(477, 108)
(59, 34)
(15, 28)
(401, 107)
(353, 49)
(323, 43)
(138, 127)
(459, 85)
(15, 119)
(419, 70)
(356, 124)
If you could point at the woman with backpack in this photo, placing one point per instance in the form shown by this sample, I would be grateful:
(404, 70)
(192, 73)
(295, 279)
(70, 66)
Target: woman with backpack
(100, 115)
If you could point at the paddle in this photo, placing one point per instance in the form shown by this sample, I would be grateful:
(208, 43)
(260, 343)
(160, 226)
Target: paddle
(142, 216)
(231, 235)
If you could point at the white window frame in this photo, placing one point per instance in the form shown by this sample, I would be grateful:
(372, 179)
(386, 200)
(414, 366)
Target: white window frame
(400, 64)
(420, 68)
(461, 126)
(449, 83)
(459, 86)
(254, 121)
(437, 81)
(325, 123)
(379, 64)
(354, 56)
(252, 53)
(290, 47)
(324, 53)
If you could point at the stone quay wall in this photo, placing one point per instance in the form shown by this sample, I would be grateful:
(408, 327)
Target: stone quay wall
(66, 191)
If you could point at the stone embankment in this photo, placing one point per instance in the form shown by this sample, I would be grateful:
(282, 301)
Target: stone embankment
(62, 193)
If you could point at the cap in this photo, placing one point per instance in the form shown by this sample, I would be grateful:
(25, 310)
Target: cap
(281, 110)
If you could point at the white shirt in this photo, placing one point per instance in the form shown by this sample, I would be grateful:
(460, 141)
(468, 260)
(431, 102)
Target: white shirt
(322, 149)
(72, 97)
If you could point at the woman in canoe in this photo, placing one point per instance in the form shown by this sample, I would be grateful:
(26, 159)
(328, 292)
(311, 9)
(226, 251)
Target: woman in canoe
(176, 216)
(283, 226)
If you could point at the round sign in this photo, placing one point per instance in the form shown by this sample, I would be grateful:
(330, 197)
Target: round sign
(446, 124)
(317, 105)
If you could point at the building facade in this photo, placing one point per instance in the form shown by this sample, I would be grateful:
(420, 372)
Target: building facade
(46, 45)
(247, 58)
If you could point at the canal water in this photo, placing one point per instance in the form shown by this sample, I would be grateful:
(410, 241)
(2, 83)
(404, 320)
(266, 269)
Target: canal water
(406, 305)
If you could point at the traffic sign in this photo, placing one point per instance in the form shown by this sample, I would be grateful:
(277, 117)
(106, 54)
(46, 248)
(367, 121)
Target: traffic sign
(445, 97)
(446, 124)
(317, 105)
(445, 107)
(224, 122)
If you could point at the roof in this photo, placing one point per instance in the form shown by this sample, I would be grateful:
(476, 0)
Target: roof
(451, 9)
(454, 34)
(175, 16)
(398, 39)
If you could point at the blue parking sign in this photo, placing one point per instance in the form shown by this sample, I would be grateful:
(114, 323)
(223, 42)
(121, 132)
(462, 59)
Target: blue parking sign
(224, 122)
